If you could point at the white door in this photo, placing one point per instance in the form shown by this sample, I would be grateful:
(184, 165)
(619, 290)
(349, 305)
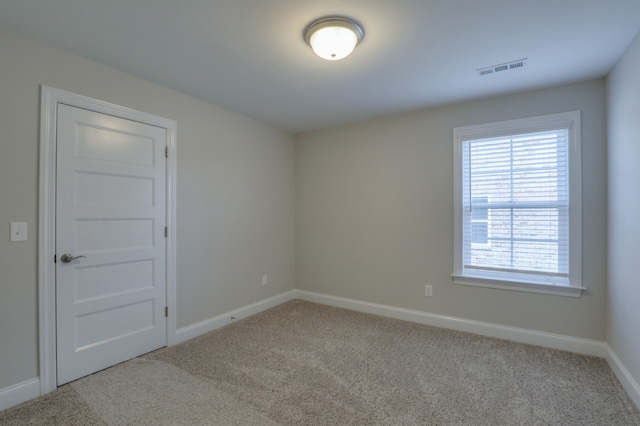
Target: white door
(110, 211)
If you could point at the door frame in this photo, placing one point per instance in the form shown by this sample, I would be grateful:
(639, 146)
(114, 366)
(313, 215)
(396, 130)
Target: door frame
(49, 99)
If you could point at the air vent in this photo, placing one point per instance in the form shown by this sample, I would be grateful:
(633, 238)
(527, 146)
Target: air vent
(502, 67)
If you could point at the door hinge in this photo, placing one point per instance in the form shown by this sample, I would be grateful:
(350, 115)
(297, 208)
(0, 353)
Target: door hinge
(55, 258)
(166, 152)
(166, 311)
(166, 232)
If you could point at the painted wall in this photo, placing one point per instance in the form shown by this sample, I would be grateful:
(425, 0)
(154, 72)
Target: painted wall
(235, 187)
(623, 114)
(374, 213)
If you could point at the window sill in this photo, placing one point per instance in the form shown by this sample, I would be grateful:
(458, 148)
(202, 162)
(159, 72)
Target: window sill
(525, 286)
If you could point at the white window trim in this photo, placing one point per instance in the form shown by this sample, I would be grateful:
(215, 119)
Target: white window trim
(570, 120)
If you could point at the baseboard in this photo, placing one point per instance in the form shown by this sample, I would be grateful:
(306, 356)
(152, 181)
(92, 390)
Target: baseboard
(195, 330)
(532, 337)
(628, 382)
(19, 393)
(22, 392)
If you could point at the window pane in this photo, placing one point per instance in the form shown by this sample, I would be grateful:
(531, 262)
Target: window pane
(479, 233)
(535, 256)
(500, 224)
(515, 193)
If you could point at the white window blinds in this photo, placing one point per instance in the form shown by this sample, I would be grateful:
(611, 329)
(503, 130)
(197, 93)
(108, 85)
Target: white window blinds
(515, 203)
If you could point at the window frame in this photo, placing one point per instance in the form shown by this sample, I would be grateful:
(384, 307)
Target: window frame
(512, 280)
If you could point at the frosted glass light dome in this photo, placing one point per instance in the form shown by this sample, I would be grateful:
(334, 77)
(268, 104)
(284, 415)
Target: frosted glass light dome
(333, 38)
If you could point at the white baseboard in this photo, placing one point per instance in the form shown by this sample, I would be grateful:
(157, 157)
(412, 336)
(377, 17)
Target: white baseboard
(22, 392)
(628, 382)
(211, 324)
(19, 393)
(538, 338)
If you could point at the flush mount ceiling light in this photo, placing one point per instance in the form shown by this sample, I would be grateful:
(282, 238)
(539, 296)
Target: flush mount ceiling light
(333, 37)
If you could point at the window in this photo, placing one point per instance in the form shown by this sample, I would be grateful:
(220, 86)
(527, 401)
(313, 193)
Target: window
(517, 205)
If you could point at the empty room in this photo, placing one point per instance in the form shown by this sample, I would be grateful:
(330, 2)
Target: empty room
(319, 212)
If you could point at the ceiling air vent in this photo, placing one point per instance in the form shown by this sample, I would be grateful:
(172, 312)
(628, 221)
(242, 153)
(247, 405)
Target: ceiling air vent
(502, 67)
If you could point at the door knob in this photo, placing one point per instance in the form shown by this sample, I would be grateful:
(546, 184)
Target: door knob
(66, 258)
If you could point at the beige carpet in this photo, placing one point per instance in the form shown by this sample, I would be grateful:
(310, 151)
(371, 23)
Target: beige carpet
(303, 363)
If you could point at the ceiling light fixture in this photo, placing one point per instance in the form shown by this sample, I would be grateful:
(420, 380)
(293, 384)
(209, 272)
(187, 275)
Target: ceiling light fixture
(333, 37)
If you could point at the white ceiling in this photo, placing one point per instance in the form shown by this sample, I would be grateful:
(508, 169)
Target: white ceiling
(249, 55)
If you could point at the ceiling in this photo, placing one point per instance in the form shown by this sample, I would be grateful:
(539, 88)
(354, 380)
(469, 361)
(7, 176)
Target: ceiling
(249, 55)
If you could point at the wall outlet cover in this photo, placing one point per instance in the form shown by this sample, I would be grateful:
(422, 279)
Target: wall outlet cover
(18, 231)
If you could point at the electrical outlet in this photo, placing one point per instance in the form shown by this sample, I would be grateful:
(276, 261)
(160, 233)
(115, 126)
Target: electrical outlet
(265, 280)
(18, 231)
(428, 290)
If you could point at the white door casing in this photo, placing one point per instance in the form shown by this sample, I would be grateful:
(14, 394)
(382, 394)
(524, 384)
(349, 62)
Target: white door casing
(111, 208)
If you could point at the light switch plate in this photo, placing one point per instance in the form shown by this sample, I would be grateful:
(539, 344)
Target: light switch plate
(18, 231)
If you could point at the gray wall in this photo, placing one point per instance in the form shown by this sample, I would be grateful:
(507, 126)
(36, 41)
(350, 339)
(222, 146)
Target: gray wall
(374, 213)
(623, 113)
(235, 188)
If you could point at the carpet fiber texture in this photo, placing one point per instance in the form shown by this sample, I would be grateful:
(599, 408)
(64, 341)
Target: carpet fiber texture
(308, 364)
